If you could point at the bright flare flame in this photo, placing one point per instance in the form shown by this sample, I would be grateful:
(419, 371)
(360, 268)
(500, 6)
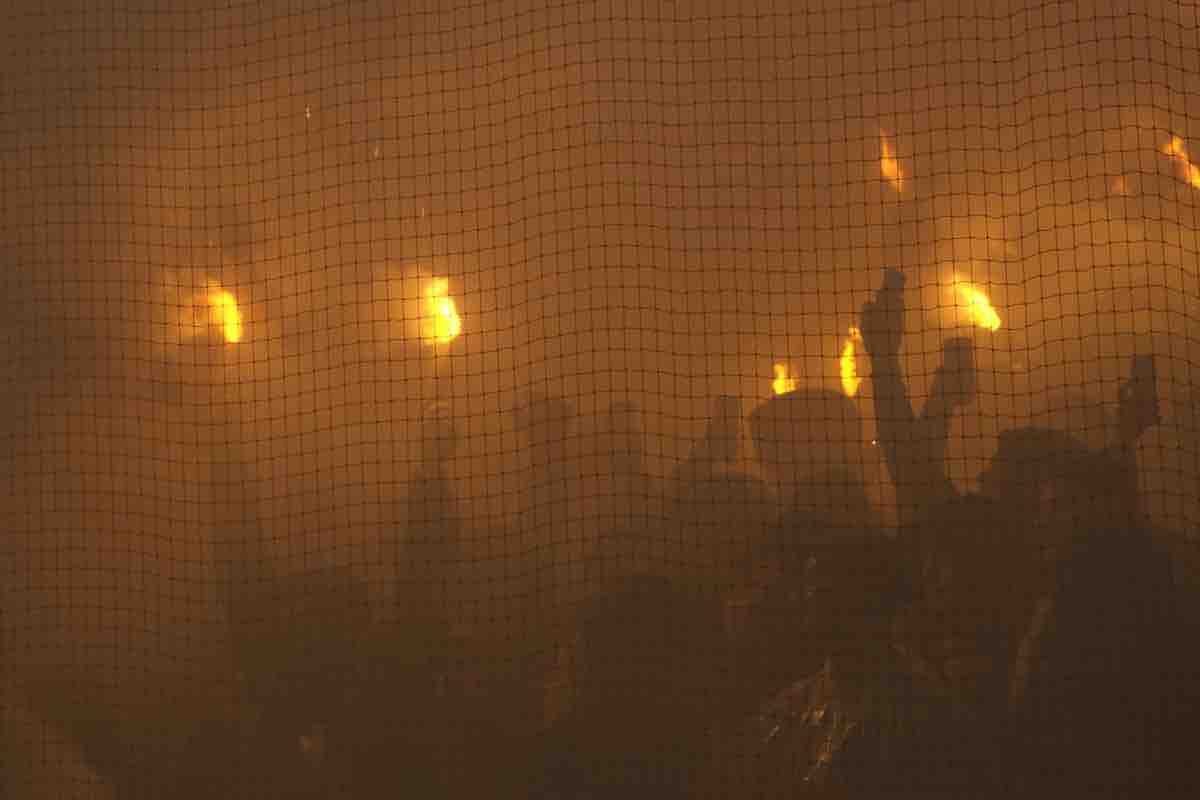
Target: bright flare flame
(849, 363)
(889, 165)
(783, 383)
(225, 314)
(1178, 151)
(978, 306)
(441, 324)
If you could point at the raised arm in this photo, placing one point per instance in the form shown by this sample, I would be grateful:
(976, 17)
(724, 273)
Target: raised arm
(1139, 402)
(1139, 411)
(952, 389)
(914, 447)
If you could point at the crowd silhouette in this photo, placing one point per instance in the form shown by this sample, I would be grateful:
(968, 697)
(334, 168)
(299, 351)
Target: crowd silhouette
(732, 633)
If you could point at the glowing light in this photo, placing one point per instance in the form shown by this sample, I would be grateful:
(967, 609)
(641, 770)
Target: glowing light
(783, 382)
(225, 314)
(978, 307)
(889, 165)
(1187, 170)
(849, 363)
(441, 323)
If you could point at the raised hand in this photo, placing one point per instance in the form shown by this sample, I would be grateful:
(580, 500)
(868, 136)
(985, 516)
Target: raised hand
(882, 322)
(1139, 409)
(954, 381)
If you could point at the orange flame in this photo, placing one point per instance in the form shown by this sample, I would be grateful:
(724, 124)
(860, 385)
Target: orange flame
(225, 313)
(783, 382)
(849, 363)
(441, 324)
(978, 307)
(1178, 151)
(889, 165)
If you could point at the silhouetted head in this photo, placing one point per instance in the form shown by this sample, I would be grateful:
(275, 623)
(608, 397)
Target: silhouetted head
(719, 529)
(811, 443)
(723, 436)
(438, 435)
(545, 420)
(623, 431)
(1043, 472)
(1024, 458)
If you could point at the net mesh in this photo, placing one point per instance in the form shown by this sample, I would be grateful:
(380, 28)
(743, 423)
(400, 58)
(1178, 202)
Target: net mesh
(598, 398)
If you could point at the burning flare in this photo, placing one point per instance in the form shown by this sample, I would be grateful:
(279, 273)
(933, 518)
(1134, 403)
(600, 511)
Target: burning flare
(849, 363)
(1187, 170)
(889, 165)
(441, 324)
(225, 313)
(783, 383)
(978, 307)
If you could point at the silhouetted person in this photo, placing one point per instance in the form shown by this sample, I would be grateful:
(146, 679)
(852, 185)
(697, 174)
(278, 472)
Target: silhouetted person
(431, 549)
(553, 536)
(719, 448)
(630, 510)
(311, 721)
(647, 673)
(914, 446)
(972, 592)
(42, 760)
(419, 693)
(810, 445)
(242, 564)
(829, 734)
(1032, 463)
(717, 515)
(650, 661)
(1105, 684)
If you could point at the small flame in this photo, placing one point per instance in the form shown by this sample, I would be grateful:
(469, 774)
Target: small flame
(783, 383)
(889, 165)
(978, 307)
(442, 324)
(1178, 151)
(225, 313)
(849, 363)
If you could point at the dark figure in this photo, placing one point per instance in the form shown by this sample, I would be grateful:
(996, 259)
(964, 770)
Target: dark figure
(809, 444)
(914, 447)
(910, 699)
(831, 732)
(720, 447)
(552, 536)
(306, 735)
(644, 695)
(243, 569)
(431, 550)
(427, 640)
(630, 508)
(1105, 681)
(717, 516)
